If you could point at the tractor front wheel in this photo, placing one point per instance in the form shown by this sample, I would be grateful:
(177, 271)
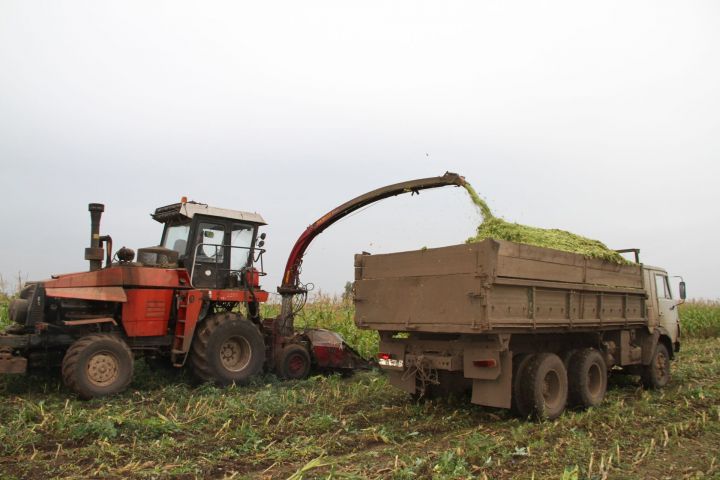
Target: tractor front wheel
(294, 362)
(97, 366)
(227, 348)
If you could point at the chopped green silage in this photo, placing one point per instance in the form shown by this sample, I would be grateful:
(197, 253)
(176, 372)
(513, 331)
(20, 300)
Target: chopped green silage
(500, 229)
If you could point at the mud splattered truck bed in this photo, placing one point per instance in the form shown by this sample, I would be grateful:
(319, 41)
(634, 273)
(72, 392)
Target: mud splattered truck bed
(521, 326)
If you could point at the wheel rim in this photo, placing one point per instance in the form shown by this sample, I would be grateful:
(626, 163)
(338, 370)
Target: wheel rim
(551, 389)
(235, 354)
(296, 364)
(594, 383)
(103, 369)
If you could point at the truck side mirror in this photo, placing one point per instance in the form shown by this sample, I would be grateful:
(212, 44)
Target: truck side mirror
(262, 236)
(683, 292)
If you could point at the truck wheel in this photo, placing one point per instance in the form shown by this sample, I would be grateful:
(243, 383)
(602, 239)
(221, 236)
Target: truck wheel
(545, 386)
(226, 349)
(294, 362)
(519, 405)
(97, 366)
(657, 374)
(587, 378)
(567, 357)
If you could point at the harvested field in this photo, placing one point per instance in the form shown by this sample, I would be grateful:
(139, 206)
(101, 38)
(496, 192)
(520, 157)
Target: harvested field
(360, 427)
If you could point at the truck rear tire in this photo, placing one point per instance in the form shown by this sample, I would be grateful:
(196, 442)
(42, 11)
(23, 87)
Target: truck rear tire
(226, 349)
(587, 378)
(294, 362)
(657, 373)
(545, 386)
(97, 366)
(520, 405)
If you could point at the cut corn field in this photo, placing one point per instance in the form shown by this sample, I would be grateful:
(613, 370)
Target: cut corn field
(165, 426)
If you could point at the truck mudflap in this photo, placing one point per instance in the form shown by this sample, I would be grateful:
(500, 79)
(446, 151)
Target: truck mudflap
(10, 363)
(495, 390)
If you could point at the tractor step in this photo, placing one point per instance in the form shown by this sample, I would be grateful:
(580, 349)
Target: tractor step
(178, 357)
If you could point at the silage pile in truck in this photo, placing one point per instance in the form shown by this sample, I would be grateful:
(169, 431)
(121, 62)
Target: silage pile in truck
(520, 325)
(501, 229)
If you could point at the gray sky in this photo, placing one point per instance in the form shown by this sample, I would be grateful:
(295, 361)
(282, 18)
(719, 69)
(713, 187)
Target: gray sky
(602, 119)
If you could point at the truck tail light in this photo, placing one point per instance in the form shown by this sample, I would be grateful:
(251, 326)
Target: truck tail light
(389, 360)
(491, 363)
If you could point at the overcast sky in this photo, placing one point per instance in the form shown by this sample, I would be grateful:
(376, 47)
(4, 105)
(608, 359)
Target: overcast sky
(600, 118)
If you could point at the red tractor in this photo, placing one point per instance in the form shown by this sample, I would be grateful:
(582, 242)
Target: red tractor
(194, 299)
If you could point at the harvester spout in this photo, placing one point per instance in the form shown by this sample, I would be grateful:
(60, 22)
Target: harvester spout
(94, 254)
(291, 285)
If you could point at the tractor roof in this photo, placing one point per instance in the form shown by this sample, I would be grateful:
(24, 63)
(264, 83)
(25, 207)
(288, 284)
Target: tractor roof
(178, 212)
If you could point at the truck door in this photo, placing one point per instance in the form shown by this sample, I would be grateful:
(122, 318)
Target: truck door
(666, 306)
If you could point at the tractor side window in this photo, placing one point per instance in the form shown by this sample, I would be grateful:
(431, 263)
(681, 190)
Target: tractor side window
(210, 235)
(240, 240)
(176, 238)
(661, 286)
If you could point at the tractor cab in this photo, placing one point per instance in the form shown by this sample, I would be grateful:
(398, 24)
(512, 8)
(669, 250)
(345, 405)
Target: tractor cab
(218, 247)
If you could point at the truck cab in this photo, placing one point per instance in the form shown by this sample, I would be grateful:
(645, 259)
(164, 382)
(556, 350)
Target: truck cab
(662, 307)
(218, 247)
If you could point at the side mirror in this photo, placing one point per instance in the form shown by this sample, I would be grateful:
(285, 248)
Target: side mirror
(683, 291)
(263, 235)
(261, 243)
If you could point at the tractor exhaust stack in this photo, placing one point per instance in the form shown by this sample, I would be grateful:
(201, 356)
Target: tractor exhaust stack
(94, 254)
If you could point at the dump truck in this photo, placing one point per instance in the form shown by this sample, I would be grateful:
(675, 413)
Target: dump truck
(519, 326)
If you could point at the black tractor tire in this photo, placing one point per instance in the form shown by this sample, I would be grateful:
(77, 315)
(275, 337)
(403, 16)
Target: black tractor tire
(27, 291)
(19, 307)
(545, 386)
(519, 405)
(657, 373)
(587, 378)
(227, 349)
(294, 362)
(98, 365)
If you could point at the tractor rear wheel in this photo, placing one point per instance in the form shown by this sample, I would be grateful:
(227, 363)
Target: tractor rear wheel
(294, 362)
(227, 348)
(97, 365)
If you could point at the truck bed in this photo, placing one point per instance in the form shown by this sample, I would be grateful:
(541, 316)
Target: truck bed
(495, 285)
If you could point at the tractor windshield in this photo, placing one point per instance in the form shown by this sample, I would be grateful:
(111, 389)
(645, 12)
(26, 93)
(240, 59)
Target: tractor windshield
(176, 237)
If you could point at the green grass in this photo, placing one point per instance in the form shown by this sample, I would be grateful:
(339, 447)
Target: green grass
(4, 318)
(165, 426)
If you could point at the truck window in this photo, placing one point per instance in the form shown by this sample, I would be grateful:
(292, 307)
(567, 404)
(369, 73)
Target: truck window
(661, 286)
